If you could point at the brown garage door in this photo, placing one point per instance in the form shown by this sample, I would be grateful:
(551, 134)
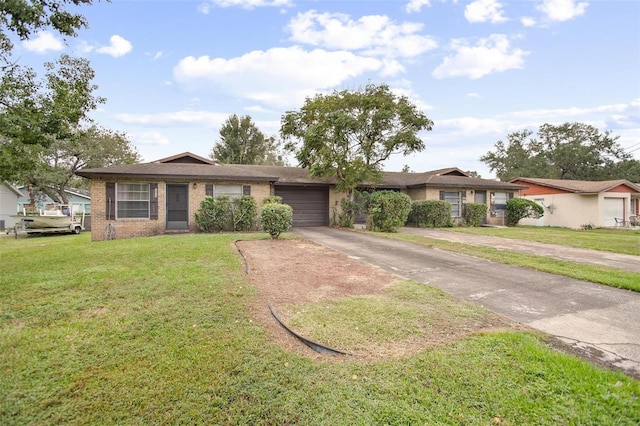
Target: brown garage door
(310, 204)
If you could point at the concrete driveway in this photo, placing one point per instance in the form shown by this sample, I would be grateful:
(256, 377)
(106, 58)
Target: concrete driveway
(578, 255)
(598, 321)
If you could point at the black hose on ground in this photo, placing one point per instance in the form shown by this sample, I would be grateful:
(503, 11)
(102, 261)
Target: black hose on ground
(318, 347)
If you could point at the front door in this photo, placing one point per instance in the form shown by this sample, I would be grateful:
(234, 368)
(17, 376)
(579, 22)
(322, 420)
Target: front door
(177, 206)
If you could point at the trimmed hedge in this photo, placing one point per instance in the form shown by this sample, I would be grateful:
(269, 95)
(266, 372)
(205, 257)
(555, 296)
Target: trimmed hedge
(475, 214)
(214, 214)
(276, 218)
(225, 214)
(520, 208)
(388, 210)
(430, 213)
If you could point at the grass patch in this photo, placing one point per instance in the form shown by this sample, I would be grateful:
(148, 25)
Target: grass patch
(623, 241)
(599, 274)
(158, 331)
(411, 312)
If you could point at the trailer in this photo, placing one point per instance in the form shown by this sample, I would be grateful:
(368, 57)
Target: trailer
(55, 219)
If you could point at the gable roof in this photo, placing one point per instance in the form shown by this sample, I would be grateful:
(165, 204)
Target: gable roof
(191, 166)
(449, 171)
(12, 189)
(583, 187)
(187, 158)
(81, 193)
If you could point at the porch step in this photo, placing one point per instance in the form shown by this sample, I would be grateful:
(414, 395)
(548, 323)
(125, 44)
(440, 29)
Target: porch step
(176, 231)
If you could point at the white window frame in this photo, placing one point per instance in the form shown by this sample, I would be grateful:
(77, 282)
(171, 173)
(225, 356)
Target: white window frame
(456, 207)
(231, 191)
(131, 195)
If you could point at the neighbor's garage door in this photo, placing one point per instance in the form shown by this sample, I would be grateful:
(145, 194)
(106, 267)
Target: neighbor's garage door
(613, 207)
(310, 204)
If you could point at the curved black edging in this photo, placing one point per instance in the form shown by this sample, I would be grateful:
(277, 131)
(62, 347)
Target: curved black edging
(244, 258)
(313, 345)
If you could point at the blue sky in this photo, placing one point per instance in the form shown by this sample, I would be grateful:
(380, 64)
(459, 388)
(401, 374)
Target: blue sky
(174, 71)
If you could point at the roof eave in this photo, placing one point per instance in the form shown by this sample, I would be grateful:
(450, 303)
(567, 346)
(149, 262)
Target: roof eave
(114, 175)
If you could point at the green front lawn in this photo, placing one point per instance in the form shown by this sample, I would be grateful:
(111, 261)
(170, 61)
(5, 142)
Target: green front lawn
(159, 331)
(626, 241)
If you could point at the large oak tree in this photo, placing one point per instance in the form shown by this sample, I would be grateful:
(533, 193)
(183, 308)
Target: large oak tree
(349, 134)
(22, 18)
(93, 147)
(568, 151)
(36, 113)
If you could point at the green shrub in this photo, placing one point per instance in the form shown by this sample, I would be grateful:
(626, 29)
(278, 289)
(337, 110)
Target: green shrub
(276, 218)
(214, 214)
(244, 213)
(226, 214)
(272, 199)
(388, 210)
(520, 208)
(348, 211)
(431, 213)
(475, 214)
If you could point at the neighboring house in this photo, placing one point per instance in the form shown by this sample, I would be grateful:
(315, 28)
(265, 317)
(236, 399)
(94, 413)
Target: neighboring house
(79, 200)
(9, 195)
(153, 198)
(578, 203)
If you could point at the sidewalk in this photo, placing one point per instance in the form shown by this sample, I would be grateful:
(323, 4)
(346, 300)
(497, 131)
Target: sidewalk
(578, 255)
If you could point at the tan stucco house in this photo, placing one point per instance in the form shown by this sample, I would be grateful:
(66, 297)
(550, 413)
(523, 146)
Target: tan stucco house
(578, 203)
(162, 196)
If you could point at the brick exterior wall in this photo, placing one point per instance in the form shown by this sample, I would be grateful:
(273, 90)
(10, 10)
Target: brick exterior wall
(131, 228)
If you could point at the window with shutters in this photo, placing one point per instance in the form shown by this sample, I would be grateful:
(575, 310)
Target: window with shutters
(131, 201)
(231, 191)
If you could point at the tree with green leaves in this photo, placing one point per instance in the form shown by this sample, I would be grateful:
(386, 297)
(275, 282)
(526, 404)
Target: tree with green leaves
(34, 114)
(568, 151)
(625, 169)
(23, 18)
(89, 148)
(349, 134)
(241, 142)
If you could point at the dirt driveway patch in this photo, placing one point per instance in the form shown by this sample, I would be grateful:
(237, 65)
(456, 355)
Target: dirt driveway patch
(290, 273)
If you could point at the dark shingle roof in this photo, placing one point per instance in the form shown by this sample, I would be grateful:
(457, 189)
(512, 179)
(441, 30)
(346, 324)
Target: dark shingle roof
(579, 186)
(190, 166)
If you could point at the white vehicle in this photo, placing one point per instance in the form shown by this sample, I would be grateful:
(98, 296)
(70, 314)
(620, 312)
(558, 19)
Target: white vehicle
(54, 218)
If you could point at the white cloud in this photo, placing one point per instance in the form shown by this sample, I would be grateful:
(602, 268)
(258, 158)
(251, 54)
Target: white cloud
(203, 118)
(562, 10)
(204, 8)
(484, 11)
(251, 4)
(416, 5)
(280, 76)
(152, 137)
(118, 46)
(489, 55)
(43, 42)
(474, 125)
(372, 34)
(474, 95)
(528, 21)
(155, 56)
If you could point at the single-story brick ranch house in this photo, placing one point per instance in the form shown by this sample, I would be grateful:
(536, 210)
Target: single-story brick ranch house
(162, 196)
(579, 203)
